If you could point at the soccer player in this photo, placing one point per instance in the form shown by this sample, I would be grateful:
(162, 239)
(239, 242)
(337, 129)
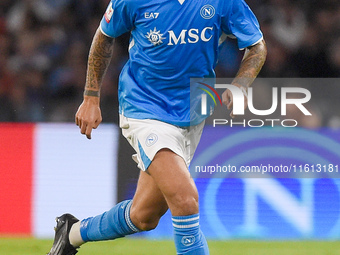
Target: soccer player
(171, 42)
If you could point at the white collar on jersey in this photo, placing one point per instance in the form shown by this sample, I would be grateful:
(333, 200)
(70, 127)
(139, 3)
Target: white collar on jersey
(181, 1)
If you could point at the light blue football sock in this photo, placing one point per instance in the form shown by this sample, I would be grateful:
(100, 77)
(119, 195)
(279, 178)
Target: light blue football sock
(110, 225)
(189, 239)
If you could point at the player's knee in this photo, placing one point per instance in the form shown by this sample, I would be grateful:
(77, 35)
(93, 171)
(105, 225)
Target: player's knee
(189, 206)
(185, 205)
(146, 220)
(147, 225)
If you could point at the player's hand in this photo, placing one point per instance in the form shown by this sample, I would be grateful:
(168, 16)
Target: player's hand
(88, 116)
(227, 99)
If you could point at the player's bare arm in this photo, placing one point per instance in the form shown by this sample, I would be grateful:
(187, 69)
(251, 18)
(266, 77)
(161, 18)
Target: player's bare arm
(88, 116)
(251, 65)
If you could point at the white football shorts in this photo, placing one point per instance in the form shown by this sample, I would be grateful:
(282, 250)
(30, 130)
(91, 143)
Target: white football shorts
(148, 136)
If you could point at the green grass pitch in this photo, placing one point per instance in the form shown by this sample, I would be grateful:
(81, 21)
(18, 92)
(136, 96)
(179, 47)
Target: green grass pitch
(132, 246)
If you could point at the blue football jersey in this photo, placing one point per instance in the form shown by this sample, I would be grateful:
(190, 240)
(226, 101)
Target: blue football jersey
(172, 41)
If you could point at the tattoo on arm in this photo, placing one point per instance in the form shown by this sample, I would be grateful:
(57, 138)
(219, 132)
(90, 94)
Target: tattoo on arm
(251, 64)
(98, 62)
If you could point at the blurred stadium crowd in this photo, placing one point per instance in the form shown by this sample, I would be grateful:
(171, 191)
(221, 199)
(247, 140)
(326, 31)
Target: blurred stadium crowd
(44, 46)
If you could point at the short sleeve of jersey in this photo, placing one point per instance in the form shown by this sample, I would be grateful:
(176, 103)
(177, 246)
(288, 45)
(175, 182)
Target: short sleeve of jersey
(118, 18)
(242, 23)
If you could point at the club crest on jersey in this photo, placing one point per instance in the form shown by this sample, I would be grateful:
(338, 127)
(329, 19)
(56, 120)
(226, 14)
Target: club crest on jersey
(207, 11)
(155, 37)
(109, 12)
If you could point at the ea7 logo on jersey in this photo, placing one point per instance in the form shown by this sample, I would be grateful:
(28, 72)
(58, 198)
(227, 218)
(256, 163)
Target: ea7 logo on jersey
(192, 35)
(151, 15)
(108, 13)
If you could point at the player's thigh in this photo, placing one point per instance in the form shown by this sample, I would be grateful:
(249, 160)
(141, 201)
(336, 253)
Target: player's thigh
(164, 151)
(148, 204)
(171, 175)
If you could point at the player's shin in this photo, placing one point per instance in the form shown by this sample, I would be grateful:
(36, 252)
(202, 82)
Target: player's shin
(110, 225)
(188, 237)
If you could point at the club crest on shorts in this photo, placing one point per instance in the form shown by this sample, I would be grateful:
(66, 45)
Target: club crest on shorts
(151, 139)
(188, 240)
